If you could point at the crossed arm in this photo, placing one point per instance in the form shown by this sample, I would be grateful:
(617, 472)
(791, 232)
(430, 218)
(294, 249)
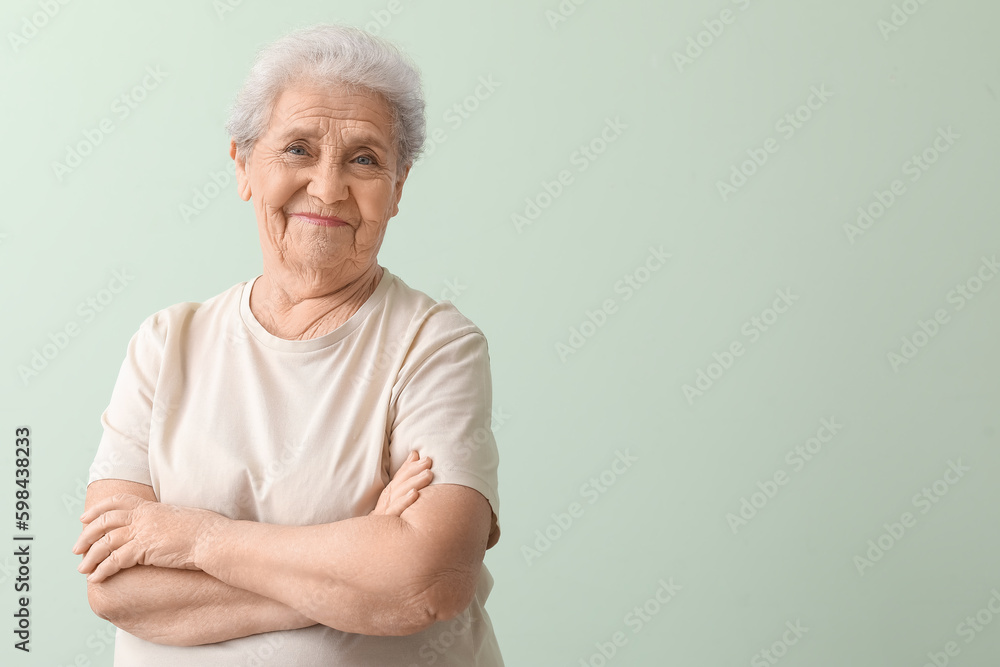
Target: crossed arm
(186, 576)
(180, 607)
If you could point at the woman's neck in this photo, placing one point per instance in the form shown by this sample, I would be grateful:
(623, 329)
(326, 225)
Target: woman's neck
(298, 308)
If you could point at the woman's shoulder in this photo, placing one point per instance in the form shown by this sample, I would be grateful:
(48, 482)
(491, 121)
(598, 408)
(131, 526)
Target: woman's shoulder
(185, 314)
(426, 315)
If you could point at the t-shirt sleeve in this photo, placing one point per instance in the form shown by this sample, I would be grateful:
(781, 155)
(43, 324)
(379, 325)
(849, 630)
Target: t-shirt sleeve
(444, 410)
(123, 452)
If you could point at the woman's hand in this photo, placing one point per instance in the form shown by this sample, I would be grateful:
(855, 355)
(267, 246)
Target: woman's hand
(404, 489)
(125, 530)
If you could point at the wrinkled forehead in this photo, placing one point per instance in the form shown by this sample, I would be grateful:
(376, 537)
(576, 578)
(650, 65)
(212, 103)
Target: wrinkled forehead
(330, 113)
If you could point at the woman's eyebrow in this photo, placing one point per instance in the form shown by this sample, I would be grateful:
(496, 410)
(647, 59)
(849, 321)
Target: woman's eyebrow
(298, 131)
(367, 140)
(354, 139)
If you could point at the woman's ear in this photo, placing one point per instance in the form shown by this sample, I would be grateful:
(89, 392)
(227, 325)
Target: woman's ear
(400, 180)
(242, 176)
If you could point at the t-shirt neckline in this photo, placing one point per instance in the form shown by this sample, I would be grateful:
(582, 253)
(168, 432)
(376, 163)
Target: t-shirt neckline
(268, 339)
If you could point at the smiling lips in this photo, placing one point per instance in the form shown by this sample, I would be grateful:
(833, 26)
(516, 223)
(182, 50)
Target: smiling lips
(321, 220)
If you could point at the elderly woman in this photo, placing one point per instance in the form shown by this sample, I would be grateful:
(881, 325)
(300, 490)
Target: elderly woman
(262, 493)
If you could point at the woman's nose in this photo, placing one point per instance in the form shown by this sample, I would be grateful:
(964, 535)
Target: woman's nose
(327, 184)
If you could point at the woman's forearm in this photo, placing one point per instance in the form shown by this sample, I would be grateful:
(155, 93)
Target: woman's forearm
(187, 607)
(377, 574)
(366, 575)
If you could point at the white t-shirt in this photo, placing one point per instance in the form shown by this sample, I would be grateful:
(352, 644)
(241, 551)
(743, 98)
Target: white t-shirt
(213, 411)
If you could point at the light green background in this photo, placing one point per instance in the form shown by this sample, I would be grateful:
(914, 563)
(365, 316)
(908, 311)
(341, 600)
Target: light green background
(665, 517)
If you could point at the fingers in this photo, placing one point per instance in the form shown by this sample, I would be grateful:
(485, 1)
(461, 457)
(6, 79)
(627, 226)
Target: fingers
(399, 504)
(401, 489)
(119, 559)
(103, 548)
(117, 501)
(96, 529)
(405, 493)
(411, 468)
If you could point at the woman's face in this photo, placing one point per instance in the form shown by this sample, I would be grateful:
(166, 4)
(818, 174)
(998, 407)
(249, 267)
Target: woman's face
(327, 155)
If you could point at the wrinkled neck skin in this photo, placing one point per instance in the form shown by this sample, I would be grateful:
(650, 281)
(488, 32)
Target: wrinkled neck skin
(299, 304)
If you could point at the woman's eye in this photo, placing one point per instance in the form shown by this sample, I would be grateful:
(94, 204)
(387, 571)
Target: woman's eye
(366, 160)
(296, 147)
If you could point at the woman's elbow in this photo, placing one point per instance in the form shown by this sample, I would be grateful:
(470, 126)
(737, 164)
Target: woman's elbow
(101, 603)
(123, 615)
(439, 597)
(449, 595)
(111, 607)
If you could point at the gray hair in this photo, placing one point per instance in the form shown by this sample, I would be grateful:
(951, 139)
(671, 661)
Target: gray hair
(332, 54)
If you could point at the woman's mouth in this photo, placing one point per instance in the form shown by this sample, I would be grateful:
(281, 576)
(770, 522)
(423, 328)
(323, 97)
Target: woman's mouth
(322, 221)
